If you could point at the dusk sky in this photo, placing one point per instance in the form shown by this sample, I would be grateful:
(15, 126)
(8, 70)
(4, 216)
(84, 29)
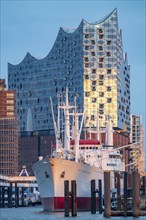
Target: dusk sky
(32, 26)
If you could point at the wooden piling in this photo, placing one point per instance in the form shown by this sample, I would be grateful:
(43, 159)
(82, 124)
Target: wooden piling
(107, 201)
(10, 196)
(22, 196)
(73, 198)
(66, 198)
(93, 197)
(118, 192)
(3, 196)
(136, 193)
(100, 195)
(16, 195)
(125, 194)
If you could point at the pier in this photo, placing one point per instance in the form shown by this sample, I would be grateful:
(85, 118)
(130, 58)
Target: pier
(12, 188)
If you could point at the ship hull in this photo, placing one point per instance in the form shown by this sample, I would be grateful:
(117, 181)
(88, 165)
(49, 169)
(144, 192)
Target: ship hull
(51, 174)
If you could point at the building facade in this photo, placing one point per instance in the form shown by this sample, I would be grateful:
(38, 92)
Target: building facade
(137, 136)
(90, 61)
(8, 132)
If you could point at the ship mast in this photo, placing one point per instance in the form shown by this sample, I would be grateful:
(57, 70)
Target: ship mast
(66, 108)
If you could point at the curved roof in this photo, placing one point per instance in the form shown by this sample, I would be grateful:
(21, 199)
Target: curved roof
(67, 31)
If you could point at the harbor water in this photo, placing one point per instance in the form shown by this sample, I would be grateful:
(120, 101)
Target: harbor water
(37, 213)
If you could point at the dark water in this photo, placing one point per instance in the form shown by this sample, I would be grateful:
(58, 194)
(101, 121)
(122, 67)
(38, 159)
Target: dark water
(36, 213)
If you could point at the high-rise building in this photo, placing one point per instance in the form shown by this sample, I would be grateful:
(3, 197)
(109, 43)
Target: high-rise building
(90, 61)
(137, 136)
(8, 132)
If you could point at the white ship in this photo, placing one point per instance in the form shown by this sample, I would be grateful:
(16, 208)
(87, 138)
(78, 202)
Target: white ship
(78, 159)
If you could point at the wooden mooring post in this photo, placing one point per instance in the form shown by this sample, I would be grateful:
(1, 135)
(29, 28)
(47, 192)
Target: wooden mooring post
(125, 194)
(107, 200)
(93, 197)
(16, 195)
(136, 193)
(10, 196)
(73, 195)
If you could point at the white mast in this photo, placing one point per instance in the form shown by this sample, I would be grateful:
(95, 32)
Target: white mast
(57, 132)
(109, 133)
(66, 108)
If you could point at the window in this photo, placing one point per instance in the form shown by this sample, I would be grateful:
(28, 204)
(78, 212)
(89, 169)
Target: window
(86, 77)
(108, 42)
(93, 88)
(101, 77)
(100, 48)
(108, 54)
(100, 82)
(94, 100)
(92, 117)
(100, 65)
(101, 59)
(101, 94)
(86, 47)
(100, 36)
(93, 71)
(109, 71)
(101, 112)
(86, 35)
(86, 59)
(100, 30)
(87, 94)
(92, 53)
(109, 100)
(101, 105)
(92, 41)
(86, 64)
(93, 83)
(108, 88)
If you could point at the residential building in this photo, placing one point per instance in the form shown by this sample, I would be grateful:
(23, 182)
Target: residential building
(8, 132)
(137, 136)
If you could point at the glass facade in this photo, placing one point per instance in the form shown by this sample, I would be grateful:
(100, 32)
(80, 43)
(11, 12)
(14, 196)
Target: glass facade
(90, 61)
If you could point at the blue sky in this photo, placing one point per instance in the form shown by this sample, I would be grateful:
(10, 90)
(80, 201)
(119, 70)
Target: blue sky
(32, 26)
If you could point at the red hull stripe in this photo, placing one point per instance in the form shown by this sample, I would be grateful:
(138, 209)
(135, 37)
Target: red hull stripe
(57, 203)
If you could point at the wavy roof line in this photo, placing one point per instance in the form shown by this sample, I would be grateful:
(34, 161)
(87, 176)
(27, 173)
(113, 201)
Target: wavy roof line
(67, 31)
(103, 19)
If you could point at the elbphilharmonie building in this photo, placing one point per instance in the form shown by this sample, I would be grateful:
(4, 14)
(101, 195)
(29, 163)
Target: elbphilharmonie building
(91, 62)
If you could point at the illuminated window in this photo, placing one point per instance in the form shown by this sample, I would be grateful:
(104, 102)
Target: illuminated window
(101, 94)
(101, 105)
(100, 82)
(109, 88)
(93, 83)
(87, 94)
(92, 117)
(86, 77)
(93, 88)
(93, 100)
